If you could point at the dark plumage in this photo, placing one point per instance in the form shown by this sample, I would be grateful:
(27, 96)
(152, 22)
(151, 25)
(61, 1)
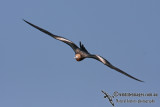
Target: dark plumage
(81, 52)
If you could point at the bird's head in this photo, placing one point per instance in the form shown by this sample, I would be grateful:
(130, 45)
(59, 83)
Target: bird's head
(78, 57)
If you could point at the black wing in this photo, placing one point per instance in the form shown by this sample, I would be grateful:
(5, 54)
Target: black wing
(82, 47)
(70, 43)
(105, 62)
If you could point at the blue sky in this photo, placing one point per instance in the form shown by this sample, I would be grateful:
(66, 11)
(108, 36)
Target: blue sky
(39, 71)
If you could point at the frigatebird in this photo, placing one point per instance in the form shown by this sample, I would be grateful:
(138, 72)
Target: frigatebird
(81, 52)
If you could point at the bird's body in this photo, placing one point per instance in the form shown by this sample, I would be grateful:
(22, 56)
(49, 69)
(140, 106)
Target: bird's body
(81, 52)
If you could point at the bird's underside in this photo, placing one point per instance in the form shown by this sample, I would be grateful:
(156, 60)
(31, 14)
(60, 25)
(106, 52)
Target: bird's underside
(81, 52)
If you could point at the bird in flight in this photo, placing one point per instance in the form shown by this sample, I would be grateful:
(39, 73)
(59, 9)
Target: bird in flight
(81, 52)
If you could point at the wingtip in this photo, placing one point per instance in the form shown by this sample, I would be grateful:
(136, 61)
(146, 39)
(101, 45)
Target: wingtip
(24, 20)
(29, 23)
(138, 80)
(142, 81)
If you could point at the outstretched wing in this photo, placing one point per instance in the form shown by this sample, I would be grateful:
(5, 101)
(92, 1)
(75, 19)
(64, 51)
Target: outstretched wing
(70, 43)
(105, 62)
